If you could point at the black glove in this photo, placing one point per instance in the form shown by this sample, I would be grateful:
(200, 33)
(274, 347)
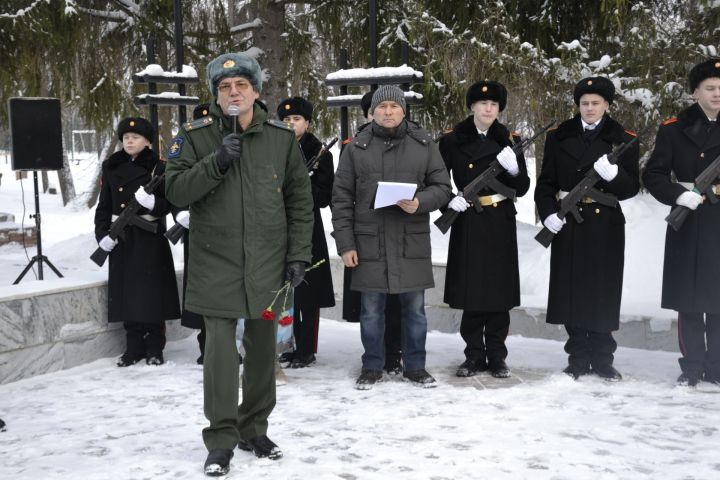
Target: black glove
(229, 151)
(295, 273)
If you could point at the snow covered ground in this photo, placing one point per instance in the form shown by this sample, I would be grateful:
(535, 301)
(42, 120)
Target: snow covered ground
(101, 422)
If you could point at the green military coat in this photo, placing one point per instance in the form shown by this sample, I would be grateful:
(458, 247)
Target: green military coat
(245, 224)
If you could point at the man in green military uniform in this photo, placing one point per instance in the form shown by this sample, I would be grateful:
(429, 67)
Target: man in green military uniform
(245, 181)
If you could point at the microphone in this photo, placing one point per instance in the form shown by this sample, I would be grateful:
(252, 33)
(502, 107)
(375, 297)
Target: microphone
(233, 111)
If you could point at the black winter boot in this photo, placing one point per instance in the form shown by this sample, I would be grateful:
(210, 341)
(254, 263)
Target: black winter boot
(262, 447)
(218, 462)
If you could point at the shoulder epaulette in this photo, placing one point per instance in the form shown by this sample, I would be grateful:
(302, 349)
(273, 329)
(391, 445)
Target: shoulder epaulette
(279, 124)
(632, 134)
(347, 140)
(199, 123)
(670, 121)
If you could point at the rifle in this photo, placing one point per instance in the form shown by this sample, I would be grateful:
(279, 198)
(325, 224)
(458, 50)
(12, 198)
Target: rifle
(487, 179)
(703, 185)
(585, 188)
(128, 217)
(313, 162)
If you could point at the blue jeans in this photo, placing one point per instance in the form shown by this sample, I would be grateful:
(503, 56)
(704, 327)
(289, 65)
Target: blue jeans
(413, 329)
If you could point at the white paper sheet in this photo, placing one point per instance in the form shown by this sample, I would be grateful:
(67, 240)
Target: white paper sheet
(389, 193)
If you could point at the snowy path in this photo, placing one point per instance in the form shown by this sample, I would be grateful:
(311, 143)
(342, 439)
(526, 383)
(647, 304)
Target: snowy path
(100, 422)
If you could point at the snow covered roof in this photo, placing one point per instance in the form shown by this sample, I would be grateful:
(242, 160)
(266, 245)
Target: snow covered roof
(154, 73)
(374, 76)
(165, 98)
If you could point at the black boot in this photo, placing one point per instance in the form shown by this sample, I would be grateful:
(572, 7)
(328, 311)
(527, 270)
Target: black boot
(155, 359)
(286, 359)
(498, 368)
(688, 379)
(393, 364)
(262, 447)
(368, 378)
(470, 368)
(576, 370)
(127, 359)
(218, 462)
(607, 372)
(420, 378)
(302, 361)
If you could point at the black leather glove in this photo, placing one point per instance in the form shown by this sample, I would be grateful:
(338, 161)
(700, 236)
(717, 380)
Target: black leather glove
(230, 151)
(295, 273)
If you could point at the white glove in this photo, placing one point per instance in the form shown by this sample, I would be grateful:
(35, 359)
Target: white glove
(145, 199)
(183, 218)
(107, 243)
(459, 204)
(689, 199)
(605, 169)
(553, 223)
(508, 160)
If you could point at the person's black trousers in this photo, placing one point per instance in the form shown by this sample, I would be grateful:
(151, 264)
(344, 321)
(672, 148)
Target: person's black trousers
(484, 334)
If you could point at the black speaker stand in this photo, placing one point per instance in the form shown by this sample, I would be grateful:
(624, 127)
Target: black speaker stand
(39, 258)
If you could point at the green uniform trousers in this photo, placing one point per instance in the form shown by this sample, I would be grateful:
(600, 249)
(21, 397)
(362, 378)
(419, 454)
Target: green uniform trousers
(230, 422)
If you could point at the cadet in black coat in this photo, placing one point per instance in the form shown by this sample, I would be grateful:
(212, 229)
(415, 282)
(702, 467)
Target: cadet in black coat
(685, 146)
(587, 259)
(142, 290)
(482, 276)
(316, 291)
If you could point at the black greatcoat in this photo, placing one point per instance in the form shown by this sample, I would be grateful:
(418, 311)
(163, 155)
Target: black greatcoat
(317, 289)
(141, 277)
(692, 256)
(587, 259)
(482, 266)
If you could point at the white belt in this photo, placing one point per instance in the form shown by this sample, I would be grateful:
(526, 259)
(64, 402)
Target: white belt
(147, 217)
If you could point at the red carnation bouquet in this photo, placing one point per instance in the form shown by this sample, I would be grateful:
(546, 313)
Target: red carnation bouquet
(285, 316)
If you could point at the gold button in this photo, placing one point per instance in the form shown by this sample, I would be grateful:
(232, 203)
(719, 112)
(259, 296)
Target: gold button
(470, 166)
(275, 176)
(597, 210)
(120, 189)
(122, 205)
(702, 155)
(494, 204)
(279, 190)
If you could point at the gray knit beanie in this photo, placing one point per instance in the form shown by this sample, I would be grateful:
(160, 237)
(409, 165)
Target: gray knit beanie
(388, 93)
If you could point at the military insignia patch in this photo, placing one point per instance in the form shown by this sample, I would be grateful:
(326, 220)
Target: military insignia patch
(175, 147)
(229, 64)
